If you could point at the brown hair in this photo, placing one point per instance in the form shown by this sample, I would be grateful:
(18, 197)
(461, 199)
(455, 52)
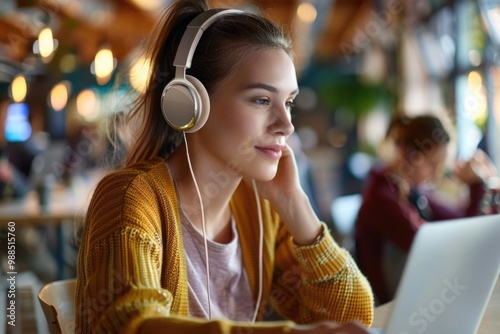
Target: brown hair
(222, 48)
(414, 132)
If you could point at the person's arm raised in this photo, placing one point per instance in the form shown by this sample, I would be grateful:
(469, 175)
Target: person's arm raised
(287, 197)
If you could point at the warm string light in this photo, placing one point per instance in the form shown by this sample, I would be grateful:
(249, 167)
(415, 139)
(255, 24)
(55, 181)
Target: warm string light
(45, 45)
(476, 104)
(46, 42)
(147, 5)
(87, 104)
(59, 95)
(306, 12)
(103, 65)
(19, 88)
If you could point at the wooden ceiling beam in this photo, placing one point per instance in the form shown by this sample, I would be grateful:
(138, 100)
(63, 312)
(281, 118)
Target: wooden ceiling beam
(346, 19)
(127, 25)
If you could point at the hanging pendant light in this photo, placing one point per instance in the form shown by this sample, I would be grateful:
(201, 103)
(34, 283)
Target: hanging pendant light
(45, 45)
(103, 65)
(18, 88)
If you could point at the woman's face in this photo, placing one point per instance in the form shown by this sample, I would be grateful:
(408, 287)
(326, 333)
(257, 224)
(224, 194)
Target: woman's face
(249, 118)
(427, 166)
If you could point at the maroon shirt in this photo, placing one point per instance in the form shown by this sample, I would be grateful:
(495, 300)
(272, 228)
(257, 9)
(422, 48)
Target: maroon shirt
(386, 217)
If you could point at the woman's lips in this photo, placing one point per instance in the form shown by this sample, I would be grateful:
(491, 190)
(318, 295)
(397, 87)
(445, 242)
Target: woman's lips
(271, 151)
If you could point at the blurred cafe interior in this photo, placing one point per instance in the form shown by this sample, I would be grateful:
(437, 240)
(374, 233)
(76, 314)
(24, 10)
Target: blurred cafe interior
(68, 69)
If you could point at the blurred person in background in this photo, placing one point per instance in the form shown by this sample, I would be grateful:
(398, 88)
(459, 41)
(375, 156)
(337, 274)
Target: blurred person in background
(13, 182)
(15, 169)
(400, 196)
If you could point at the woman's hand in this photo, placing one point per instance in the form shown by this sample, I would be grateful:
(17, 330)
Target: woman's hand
(478, 168)
(286, 182)
(287, 197)
(328, 327)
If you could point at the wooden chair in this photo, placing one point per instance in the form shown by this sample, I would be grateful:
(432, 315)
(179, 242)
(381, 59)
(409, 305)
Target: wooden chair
(57, 300)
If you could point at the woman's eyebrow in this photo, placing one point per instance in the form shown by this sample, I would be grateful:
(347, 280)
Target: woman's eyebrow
(270, 88)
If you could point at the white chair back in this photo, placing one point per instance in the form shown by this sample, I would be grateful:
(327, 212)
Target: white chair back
(57, 300)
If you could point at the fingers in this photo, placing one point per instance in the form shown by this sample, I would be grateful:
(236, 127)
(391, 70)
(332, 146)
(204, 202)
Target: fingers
(478, 168)
(482, 166)
(486, 162)
(328, 327)
(350, 328)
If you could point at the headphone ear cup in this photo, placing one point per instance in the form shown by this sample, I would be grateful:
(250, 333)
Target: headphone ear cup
(204, 101)
(185, 104)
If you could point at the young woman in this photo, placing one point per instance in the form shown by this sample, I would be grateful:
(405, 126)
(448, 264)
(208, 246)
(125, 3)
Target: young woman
(397, 199)
(203, 228)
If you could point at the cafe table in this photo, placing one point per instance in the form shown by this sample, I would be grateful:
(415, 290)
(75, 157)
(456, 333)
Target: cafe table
(64, 205)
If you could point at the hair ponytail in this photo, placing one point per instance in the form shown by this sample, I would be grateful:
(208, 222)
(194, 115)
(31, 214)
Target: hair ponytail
(152, 137)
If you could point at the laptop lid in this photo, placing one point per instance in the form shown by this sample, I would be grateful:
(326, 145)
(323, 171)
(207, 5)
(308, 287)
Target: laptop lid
(450, 274)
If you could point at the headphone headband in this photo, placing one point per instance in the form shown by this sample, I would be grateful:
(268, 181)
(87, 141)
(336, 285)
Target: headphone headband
(185, 103)
(193, 33)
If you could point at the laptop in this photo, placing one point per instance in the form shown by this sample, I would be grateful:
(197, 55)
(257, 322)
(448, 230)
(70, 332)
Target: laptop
(448, 278)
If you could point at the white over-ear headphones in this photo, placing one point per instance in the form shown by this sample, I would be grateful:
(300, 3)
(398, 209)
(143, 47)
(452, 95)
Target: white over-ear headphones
(185, 105)
(184, 102)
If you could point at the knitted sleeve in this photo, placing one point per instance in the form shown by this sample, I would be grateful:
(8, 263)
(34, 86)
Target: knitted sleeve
(319, 282)
(123, 286)
(120, 259)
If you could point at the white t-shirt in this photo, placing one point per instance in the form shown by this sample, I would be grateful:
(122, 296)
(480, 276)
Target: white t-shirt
(230, 293)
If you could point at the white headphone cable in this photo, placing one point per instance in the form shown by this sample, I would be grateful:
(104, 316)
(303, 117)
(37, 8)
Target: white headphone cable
(203, 227)
(261, 238)
(261, 250)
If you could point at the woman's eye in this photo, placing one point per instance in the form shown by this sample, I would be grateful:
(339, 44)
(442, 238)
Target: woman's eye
(290, 105)
(262, 101)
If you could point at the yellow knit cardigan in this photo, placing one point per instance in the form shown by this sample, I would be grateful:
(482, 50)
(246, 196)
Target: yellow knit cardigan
(132, 272)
